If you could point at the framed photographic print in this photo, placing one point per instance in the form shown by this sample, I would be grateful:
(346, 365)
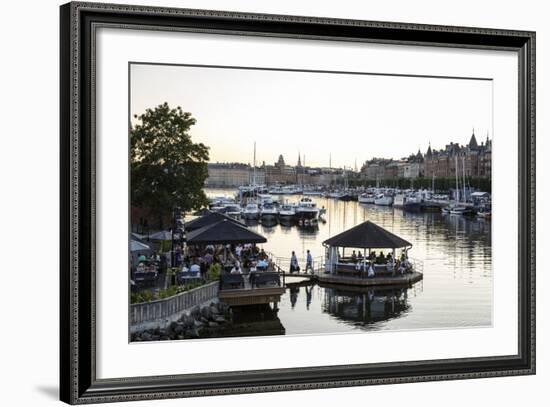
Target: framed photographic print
(256, 203)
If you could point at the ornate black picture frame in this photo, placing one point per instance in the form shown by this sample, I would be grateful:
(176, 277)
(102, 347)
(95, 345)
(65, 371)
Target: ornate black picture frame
(77, 175)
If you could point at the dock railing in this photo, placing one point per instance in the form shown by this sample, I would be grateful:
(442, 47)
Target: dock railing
(418, 265)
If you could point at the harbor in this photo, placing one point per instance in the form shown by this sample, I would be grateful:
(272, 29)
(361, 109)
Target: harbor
(455, 271)
(225, 241)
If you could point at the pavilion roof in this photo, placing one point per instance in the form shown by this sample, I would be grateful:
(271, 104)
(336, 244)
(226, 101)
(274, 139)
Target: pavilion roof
(367, 235)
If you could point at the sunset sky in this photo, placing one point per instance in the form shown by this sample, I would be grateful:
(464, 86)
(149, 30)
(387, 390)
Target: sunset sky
(350, 117)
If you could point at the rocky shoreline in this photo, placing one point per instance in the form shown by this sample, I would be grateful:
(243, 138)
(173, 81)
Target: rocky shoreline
(208, 321)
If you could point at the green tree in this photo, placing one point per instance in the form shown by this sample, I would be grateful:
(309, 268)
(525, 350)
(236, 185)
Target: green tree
(167, 169)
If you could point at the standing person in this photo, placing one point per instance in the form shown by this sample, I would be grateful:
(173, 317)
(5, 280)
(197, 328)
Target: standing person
(294, 263)
(309, 262)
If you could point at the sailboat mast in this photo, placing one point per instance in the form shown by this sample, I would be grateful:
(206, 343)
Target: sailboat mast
(254, 177)
(464, 178)
(456, 178)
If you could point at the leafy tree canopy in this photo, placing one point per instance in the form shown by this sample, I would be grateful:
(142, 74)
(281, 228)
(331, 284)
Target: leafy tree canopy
(167, 169)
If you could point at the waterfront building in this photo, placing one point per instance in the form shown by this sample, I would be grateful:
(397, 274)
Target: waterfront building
(475, 157)
(227, 175)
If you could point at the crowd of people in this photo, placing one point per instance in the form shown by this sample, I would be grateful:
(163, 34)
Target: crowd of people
(373, 262)
(233, 258)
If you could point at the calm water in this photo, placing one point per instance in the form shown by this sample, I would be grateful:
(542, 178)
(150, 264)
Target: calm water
(456, 290)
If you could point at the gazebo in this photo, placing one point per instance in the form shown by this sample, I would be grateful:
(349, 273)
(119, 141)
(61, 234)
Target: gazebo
(208, 219)
(365, 236)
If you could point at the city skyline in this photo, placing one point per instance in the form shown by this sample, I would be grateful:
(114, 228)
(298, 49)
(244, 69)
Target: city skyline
(346, 117)
(360, 162)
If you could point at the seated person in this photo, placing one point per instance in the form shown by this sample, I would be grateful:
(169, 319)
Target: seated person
(360, 256)
(195, 268)
(140, 268)
(236, 269)
(353, 257)
(262, 265)
(400, 268)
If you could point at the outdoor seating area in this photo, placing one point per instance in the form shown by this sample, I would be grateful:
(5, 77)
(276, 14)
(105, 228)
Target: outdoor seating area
(230, 244)
(363, 262)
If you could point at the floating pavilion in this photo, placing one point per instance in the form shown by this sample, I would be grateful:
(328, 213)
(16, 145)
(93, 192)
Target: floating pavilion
(342, 269)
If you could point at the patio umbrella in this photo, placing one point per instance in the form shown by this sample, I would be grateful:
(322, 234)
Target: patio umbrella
(136, 246)
(161, 235)
(224, 232)
(207, 220)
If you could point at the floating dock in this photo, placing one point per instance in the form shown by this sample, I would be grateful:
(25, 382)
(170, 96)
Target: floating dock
(399, 280)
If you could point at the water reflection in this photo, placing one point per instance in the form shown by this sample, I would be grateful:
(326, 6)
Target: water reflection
(365, 306)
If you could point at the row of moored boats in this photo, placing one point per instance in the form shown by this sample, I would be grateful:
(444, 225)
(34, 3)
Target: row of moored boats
(264, 207)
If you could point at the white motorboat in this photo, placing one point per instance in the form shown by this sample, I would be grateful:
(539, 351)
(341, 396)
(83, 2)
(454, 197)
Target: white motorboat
(384, 200)
(218, 203)
(276, 190)
(484, 213)
(335, 195)
(313, 193)
(460, 210)
(251, 211)
(366, 198)
(232, 210)
(269, 211)
(307, 209)
(287, 211)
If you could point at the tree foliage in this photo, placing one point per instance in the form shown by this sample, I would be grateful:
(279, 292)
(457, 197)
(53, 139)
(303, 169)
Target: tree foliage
(441, 184)
(167, 169)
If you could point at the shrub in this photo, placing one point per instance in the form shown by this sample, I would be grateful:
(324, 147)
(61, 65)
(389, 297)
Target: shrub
(214, 272)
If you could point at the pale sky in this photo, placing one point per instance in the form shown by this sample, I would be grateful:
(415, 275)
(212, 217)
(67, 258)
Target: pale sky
(351, 117)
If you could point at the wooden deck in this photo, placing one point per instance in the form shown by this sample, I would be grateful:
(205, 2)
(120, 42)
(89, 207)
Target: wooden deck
(251, 296)
(405, 279)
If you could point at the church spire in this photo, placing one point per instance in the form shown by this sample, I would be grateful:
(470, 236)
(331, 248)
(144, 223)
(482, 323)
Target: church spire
(473, 142)
(299, 161)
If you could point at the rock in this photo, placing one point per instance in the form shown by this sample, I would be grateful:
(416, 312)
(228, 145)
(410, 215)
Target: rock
(178, 329)
(223, 307)
(214, 309)
(205, 312)
(195, 312)
(146, 336)
(173, 325)
(198, 324)
(193, 333)
(155, 337)
(213, 324)
(188, 321)
(203, 319)
(219, 319)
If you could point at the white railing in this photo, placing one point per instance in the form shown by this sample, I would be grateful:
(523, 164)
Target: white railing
(418, 265)
(283, 264)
